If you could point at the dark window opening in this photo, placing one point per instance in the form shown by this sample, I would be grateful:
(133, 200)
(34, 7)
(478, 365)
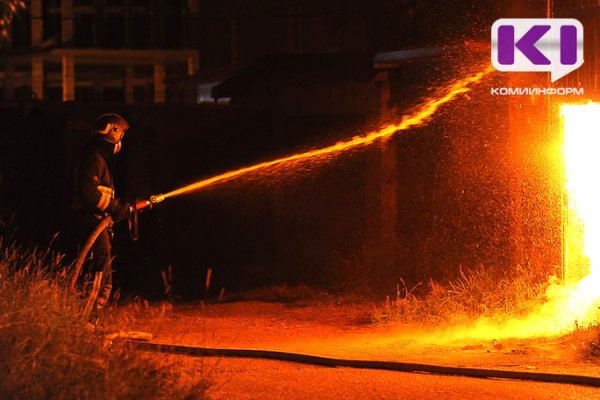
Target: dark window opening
(114, 32)
(84, 31)
(140, 32)
(174, 26)
(113, 94)
(140, 94)
(21, 31)
(51, 26)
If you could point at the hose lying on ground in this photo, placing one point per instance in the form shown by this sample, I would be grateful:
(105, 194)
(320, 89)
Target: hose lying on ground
(366, 364)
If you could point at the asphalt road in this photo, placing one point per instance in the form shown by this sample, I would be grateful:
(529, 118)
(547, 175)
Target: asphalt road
(343, 332)
(271, 380)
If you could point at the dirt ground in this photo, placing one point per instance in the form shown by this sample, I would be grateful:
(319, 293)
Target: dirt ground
(346, 331)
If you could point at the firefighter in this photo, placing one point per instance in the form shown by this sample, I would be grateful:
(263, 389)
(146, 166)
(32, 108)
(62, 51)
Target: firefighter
(94, 196)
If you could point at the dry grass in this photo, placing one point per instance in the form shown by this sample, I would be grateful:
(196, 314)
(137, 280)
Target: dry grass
(475, 293)
(46, 350)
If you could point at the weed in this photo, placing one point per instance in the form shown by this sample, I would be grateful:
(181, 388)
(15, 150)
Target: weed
(47, 351)
(475, 293)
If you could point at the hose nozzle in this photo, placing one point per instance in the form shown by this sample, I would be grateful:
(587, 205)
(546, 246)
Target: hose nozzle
(156, 198)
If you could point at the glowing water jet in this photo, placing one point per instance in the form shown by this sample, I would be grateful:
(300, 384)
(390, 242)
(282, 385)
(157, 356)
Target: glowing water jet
(425, 111)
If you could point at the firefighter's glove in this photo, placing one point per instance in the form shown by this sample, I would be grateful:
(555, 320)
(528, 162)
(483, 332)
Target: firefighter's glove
(118, 210)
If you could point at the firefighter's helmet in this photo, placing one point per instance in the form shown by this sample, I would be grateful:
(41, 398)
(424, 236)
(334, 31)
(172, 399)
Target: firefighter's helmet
(110, 127)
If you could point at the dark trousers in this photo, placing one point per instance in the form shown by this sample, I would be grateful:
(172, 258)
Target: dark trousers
(102, 262)
(82, 225)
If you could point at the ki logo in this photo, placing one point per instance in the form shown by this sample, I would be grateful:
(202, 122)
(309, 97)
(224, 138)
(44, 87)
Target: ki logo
(537, 45)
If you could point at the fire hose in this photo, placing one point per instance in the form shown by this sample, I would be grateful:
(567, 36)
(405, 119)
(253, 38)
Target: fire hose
(367, 364)
(104, 223)
(312, 359)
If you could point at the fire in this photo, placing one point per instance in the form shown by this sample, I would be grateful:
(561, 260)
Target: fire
(423, 113)
(581, 144)
(569, 305)
(573, 304)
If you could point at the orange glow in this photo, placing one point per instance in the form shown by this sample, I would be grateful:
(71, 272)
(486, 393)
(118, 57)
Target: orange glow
(8, 14)
(575, 303)
(582, 163)
(417, 118)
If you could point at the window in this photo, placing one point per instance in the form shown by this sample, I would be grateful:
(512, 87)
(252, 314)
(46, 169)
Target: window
(84, 31)
(51, 26)
(113, 94)
(140, 32)
(140, 94)
(114, 31)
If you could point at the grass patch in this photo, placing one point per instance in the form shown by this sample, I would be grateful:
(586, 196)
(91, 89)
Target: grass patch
(47, 351)
(475, 293)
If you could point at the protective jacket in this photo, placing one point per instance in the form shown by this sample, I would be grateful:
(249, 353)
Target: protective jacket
(93, 199)
(94, 190)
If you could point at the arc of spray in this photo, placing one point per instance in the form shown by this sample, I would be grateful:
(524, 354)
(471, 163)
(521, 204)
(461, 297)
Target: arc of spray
(423, 113)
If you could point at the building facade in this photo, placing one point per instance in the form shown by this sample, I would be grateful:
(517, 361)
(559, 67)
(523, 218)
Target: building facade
(90, 50)
(144, 51)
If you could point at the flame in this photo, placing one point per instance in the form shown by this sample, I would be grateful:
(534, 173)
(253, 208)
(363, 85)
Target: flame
(581, 145)
(417, 118)
(574, 304)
